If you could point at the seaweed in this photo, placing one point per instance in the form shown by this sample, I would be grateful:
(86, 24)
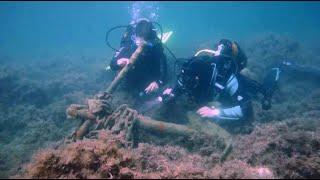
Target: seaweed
(105, 157)
(282, 142)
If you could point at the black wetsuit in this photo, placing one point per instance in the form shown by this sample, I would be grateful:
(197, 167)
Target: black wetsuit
(151, 65)
(231, 87)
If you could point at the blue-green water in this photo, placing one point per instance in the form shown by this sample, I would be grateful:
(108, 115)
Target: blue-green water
(41, 29)
(34, 95)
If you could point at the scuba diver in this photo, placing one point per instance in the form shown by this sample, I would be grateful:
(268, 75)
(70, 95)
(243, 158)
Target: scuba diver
(150, 71)
(217, 77)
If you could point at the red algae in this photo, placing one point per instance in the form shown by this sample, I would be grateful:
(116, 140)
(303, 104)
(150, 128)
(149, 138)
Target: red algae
(107, 158)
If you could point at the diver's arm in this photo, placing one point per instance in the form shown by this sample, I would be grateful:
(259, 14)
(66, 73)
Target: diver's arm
(160, 65)
(238, 112)
(241, 109)
(114, 61)
(163, 69)
(233, 113)
(124, 51)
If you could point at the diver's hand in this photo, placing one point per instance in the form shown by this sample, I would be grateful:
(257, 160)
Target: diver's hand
(123, 61)
(152, 87)
(168, 91)
(208, 112)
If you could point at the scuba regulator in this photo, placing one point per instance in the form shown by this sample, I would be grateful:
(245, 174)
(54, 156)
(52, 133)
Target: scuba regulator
(141, 28)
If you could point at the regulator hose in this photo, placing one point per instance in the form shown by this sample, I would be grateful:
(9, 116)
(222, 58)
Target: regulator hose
(125, 26)
(109, 31)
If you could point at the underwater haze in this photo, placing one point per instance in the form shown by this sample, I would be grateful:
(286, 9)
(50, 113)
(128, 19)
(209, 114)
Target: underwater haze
(37, 29)
(54, 54)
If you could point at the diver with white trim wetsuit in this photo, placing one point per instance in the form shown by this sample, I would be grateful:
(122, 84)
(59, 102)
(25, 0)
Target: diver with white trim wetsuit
(216, 76)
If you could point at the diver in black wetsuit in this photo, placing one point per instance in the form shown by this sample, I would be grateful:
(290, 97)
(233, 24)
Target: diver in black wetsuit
(150, 70)
(218, 75)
